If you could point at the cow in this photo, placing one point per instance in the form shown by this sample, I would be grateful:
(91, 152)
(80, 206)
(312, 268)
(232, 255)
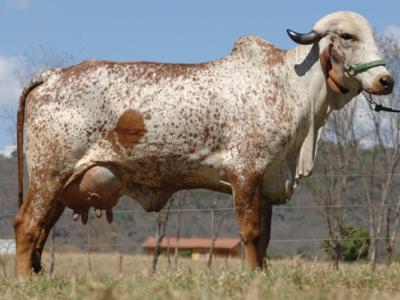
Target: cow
(246, 124)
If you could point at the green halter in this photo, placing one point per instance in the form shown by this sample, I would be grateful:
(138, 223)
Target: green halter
(359, 68)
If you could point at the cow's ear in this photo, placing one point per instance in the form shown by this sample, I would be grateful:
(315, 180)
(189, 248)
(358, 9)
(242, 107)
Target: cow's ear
(332, 63)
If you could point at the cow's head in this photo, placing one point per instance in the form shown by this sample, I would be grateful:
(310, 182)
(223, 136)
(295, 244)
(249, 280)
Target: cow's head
(348, 54)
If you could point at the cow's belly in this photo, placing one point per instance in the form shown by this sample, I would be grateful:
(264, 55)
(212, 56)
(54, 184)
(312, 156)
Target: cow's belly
(101, 186)
(149, 182)
(204, 170)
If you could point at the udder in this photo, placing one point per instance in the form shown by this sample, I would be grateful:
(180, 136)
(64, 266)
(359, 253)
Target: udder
(99, 187)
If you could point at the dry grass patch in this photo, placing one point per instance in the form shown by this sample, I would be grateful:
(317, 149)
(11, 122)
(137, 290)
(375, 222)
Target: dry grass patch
(285, 279)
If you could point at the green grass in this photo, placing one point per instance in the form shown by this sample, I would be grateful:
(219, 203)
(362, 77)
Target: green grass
(285, 279)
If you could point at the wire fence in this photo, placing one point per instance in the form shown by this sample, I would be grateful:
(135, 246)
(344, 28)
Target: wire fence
(222, 209)
(10, 214)
(138, 245)
(313, 176)
(199, 210)
(278, 207)
(90, 245)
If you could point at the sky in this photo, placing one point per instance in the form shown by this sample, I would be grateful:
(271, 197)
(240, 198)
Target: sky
(167, 31)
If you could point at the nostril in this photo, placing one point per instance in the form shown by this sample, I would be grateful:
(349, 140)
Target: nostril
(387, 82)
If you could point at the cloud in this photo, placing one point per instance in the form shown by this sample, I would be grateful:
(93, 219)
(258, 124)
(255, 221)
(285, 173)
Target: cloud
(12, 70)
(7, 150)
(20, 4)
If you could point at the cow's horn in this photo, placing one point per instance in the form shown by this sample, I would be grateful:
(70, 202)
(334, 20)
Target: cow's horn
(304, 38)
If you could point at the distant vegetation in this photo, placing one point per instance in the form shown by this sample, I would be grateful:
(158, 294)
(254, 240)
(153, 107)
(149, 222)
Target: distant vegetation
(355, 243)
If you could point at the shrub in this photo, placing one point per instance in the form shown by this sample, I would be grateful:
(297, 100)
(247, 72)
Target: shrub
(354, 245)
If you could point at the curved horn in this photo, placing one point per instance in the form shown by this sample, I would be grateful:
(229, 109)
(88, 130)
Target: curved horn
(304, 38)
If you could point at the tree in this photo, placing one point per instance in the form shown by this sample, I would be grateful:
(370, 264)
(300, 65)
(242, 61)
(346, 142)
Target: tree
(368, 145)
(379, 158)
(181, 200)
(390, 47)
(52, 251)
(330, 185)
(215, 228)
(161, 225)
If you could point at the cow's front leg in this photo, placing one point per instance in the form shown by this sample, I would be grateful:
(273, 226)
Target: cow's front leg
(265, 230)
(246, 189)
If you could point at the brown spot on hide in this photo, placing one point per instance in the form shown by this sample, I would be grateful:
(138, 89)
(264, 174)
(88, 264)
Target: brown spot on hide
(130, 128)
(275, 56)
(206, 134)
(271, 99)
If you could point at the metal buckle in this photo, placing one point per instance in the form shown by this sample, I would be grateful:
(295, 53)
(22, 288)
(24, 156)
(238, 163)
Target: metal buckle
(362, 67)
(349, 70)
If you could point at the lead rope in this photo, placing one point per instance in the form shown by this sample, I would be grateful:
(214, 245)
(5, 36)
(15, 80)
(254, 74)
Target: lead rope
(376, 106)
(362, 67)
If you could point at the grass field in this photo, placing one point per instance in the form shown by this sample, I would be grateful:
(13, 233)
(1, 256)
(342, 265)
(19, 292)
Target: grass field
(285, 279)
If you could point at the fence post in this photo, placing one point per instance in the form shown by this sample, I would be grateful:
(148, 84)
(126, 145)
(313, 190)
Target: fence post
(178, 227)
(52, 251)
(242, 252)
(89, 261)
(120, 263)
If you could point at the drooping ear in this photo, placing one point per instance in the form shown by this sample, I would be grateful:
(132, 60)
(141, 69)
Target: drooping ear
(332, 63)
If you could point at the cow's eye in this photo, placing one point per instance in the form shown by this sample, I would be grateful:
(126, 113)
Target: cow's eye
(346, 36)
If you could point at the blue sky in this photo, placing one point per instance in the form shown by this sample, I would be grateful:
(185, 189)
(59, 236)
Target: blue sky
(169, 30)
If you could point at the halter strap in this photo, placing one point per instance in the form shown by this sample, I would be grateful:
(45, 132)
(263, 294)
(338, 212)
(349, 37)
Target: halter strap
(359, 68)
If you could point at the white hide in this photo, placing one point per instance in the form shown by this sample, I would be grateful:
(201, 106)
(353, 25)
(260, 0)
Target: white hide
(259, 109)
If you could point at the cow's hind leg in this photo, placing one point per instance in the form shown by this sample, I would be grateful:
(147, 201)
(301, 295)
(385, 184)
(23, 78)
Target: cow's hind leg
(53, 217)
(38, 213)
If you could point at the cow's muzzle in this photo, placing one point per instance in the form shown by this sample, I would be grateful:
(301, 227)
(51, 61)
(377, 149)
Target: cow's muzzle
(382, 85)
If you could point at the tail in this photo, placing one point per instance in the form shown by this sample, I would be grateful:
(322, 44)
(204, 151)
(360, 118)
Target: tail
(35, 82)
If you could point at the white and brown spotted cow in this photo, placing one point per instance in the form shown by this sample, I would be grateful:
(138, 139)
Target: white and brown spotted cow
(246, 124)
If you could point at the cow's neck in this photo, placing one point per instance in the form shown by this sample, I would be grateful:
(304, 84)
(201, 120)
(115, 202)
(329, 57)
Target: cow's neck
(315, 101)
(306, 74)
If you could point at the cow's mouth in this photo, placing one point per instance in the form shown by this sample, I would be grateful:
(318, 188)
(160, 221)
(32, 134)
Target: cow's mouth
(378, 91)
